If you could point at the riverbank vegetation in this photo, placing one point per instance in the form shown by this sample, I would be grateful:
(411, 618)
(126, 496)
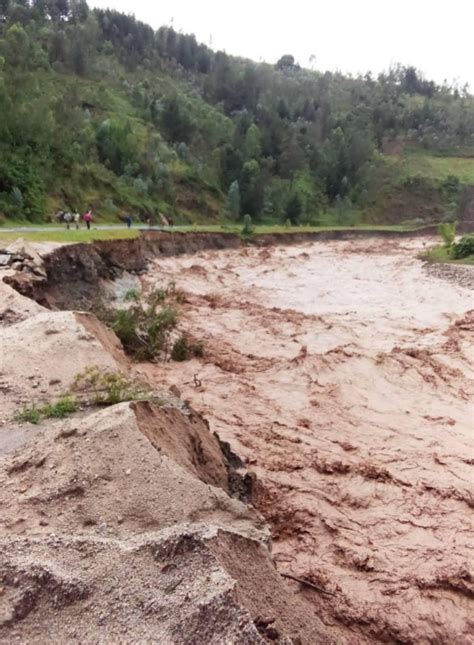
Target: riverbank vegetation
(461, 252)
(50, 234)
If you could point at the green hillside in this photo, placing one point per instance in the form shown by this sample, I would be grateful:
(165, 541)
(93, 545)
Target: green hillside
(98, 110)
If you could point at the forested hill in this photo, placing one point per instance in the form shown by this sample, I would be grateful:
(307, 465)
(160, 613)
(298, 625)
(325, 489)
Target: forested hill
(97, 109)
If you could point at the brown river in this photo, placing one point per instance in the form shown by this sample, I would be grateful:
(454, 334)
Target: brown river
(342, 374)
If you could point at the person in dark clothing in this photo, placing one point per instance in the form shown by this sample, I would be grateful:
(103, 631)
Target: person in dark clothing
(128, 221)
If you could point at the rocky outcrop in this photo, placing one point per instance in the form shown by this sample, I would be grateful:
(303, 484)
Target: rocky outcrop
(14, 307)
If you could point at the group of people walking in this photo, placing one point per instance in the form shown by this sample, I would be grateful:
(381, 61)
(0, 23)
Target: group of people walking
(75, 218)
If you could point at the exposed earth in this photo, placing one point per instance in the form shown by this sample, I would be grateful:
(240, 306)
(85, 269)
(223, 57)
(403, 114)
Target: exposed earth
(308, 481)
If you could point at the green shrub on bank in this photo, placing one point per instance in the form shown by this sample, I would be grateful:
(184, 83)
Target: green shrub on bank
(183, 349)
(145, 328)
(94, 386)
(464, 248)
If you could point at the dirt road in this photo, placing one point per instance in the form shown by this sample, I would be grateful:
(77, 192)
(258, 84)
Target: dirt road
(342, 373)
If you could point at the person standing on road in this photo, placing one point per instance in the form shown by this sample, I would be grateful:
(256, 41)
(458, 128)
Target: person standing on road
(88, 219)
(128, 221)
(68, 219)
(77, 219)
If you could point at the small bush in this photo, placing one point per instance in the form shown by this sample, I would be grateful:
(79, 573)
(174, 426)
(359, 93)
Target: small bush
(451, 186)
(181, 350)
(63, 408)
(157, 296)
(29, 415)
(180, 297)
(144, 327)
(157, 329)
(132, 295)
(464, 248)
(104, 387)
(198, 349)
(125, 326)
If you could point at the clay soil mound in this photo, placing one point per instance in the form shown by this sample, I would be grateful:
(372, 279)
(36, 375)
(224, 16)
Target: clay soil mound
(118, 527)
(42, 355)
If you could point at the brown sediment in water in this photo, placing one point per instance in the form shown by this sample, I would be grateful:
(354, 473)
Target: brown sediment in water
(342, 374)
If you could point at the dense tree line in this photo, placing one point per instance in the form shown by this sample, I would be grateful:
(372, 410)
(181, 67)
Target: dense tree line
(97, 96)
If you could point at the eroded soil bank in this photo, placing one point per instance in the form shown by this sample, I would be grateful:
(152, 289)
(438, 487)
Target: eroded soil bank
(341, 372)
(124, 523)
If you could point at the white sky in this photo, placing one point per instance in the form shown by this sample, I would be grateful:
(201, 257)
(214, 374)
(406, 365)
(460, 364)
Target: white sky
(437, 36)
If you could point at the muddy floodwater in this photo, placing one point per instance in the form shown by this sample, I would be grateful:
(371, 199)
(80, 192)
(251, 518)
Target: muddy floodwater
(342, 375)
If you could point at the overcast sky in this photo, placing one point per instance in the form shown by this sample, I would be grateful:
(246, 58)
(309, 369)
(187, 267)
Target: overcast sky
(437, 36)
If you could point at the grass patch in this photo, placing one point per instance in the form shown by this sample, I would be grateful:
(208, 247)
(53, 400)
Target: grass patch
(72, 236)
(434, 167)
(93, 387)
(59, 410)
(29, 414)
(63, 408)
(260, 229)
(84, 236)
(443, 254)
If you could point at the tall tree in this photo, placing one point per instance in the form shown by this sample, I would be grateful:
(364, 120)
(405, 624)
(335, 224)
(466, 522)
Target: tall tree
(294, 209)
(17, 47)
(233, 200)
(253, 146)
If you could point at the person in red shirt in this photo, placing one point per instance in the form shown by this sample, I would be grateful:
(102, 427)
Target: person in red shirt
(88, 219)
